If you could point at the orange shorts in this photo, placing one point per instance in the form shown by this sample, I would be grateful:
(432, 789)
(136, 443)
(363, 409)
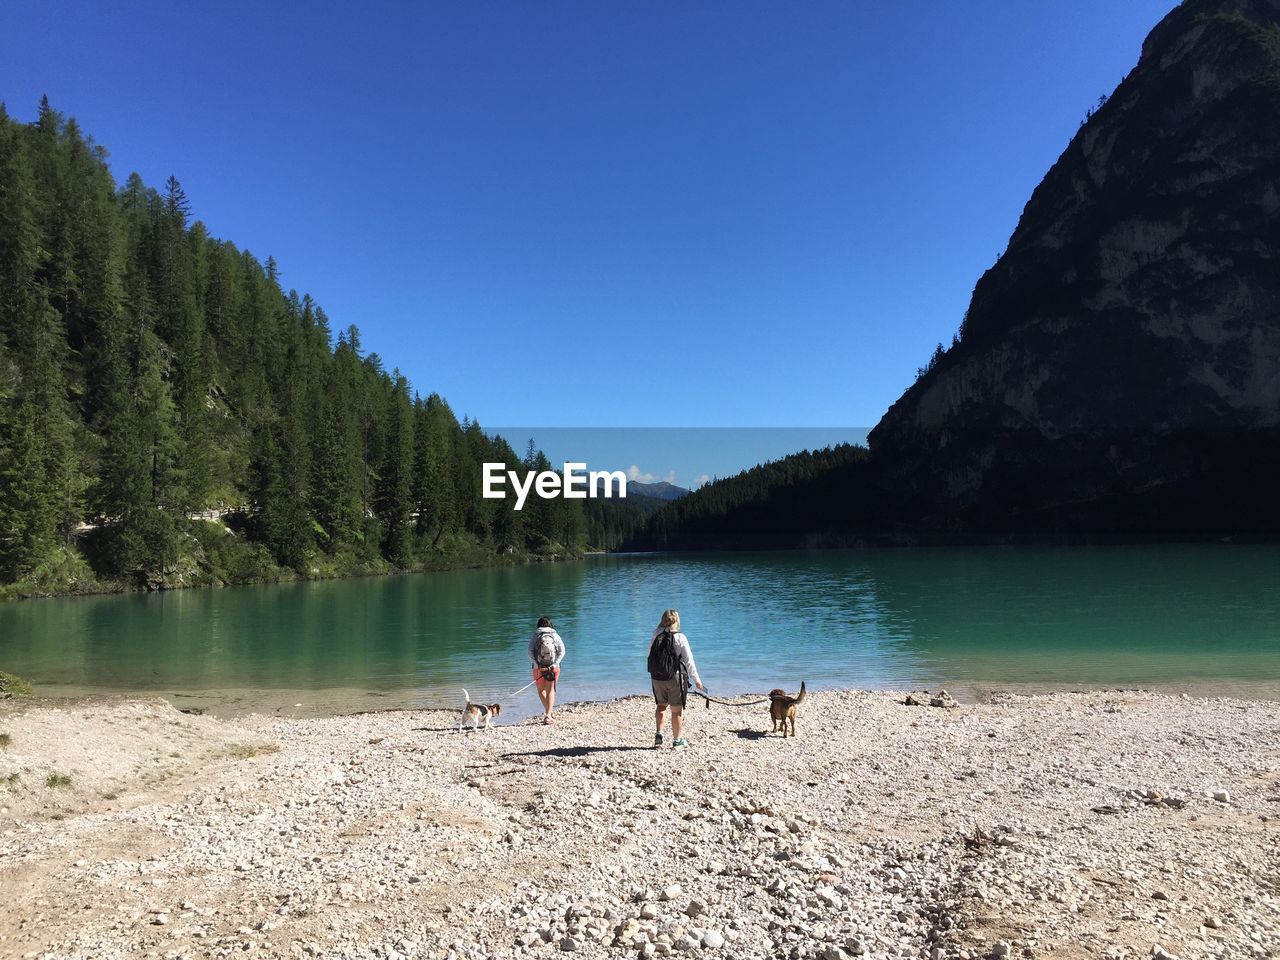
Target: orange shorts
(537, 673)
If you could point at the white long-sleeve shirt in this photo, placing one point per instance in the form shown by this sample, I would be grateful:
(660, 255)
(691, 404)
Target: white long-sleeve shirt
(684, 652)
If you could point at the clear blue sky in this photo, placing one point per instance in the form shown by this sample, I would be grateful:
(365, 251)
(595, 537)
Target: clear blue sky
(602, 213)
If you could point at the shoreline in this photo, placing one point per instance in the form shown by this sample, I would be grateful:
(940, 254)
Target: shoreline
(1062, 825)
(21, 591)
(239, 703)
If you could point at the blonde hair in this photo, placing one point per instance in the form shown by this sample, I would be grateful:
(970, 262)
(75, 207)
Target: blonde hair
(670, 621)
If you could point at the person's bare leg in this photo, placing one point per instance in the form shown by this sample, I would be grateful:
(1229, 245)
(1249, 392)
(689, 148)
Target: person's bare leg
(551, 698)
(677, 721)
(659, 717)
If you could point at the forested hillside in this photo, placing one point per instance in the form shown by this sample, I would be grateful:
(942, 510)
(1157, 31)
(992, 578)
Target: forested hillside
(169, 415)
(811, 498)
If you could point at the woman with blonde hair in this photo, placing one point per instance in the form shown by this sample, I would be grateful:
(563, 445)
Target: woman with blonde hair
(671, 667)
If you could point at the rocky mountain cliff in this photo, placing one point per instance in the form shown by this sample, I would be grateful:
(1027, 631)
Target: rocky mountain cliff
(1118, 370)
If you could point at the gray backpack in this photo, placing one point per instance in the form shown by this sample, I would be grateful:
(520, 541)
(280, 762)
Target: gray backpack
(546, 649)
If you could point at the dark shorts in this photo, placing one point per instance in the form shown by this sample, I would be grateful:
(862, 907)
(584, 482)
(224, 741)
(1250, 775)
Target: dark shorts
(670, 693)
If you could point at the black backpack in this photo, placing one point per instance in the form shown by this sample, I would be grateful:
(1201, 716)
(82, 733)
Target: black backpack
(664, 658)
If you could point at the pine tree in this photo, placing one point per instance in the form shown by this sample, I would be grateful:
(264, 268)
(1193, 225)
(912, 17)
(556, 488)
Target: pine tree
(33, 329)
(279, 490)
(181, 323)
(22, 526)
(395, 497)
(144, 474)
(337, 466)
(434, 493)
(47, 120)
(475, 512)
(175, 202)
(151, 523)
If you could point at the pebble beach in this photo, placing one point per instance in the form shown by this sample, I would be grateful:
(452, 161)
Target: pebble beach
(1106, 824)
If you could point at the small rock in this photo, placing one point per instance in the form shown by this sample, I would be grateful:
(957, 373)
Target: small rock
(713, 939)
(1222, 796)
(695, 908)
(672, 892)
(160, 919)
(1000, 948)
(1212, 922)
(568, 944)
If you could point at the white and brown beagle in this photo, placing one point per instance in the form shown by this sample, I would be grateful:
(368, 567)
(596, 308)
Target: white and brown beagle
(477, 713)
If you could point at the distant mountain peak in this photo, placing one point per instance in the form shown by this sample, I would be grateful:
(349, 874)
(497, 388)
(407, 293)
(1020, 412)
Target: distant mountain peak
(662, 490)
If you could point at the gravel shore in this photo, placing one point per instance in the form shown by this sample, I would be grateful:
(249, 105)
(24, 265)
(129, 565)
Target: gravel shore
(1103, 824)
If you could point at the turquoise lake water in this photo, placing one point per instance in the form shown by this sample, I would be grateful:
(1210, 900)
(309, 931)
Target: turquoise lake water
(1202, 618)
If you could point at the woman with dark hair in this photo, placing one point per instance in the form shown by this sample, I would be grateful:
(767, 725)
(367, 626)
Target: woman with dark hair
(546, 650)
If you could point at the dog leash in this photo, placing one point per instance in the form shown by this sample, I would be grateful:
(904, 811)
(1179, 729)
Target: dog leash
(530, 684)
(728, 703)
(523, 689)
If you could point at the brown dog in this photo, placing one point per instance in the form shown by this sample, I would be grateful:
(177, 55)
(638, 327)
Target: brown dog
(477, 713)
(782, 708)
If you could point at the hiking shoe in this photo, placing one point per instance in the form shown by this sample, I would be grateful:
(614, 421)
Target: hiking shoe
(657, 740)
(679, 743)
